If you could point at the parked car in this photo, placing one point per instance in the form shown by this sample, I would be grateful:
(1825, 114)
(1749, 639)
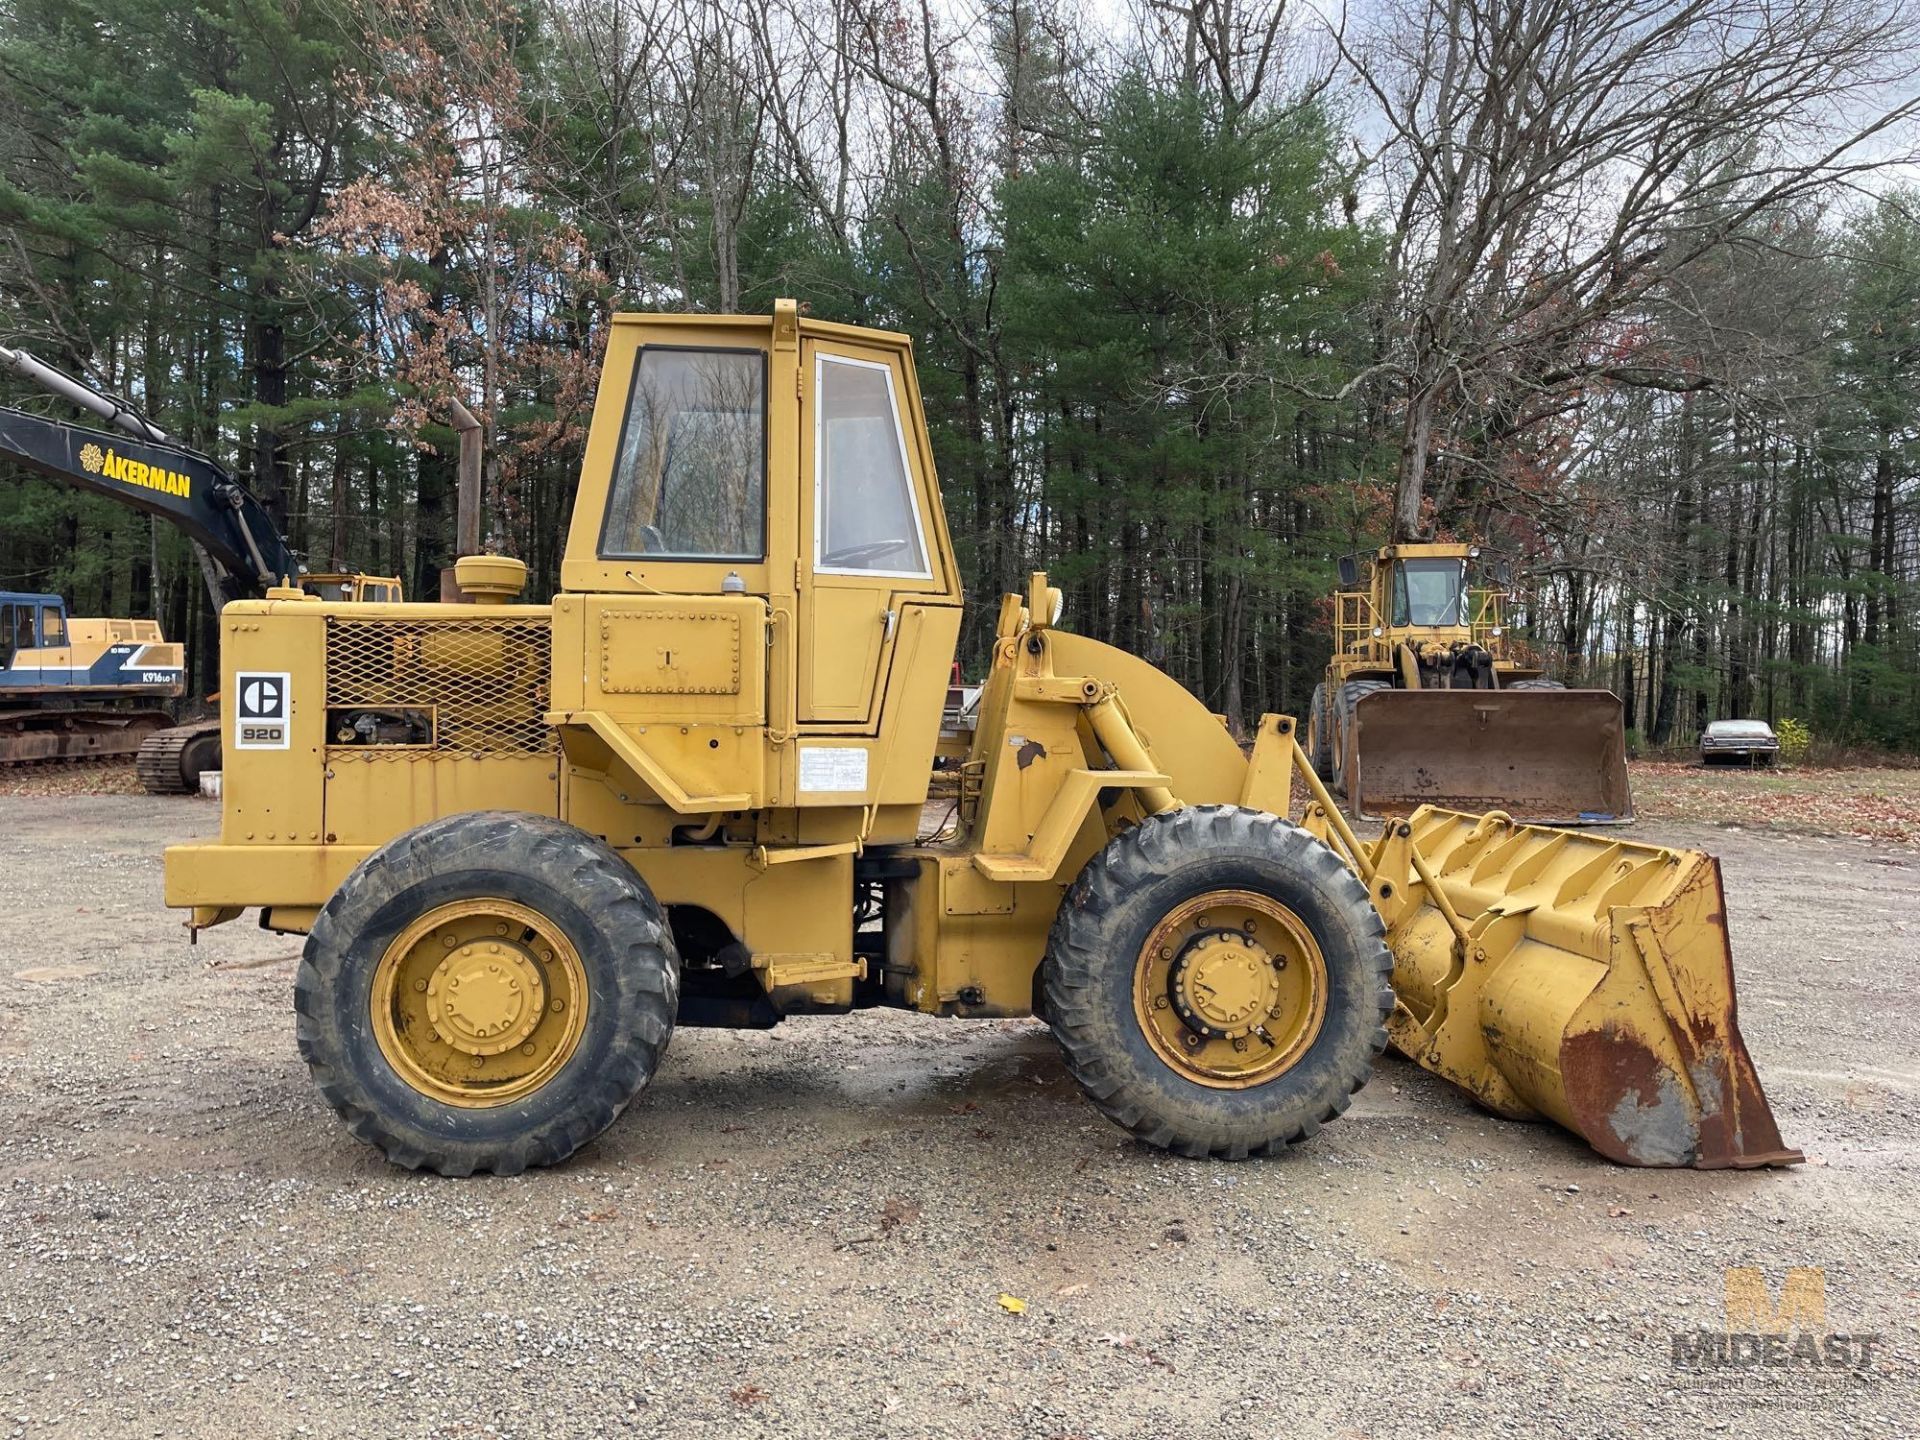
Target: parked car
(1751, 742)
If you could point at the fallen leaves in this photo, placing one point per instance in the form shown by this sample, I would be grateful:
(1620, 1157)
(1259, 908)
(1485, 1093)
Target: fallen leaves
(91, 777)
(1869, 804)
(1012, 1304)
(896, 1213)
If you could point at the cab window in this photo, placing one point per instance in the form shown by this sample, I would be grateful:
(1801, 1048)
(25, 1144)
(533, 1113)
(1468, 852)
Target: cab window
(866, 522)
(53, 627)
(1428, 592)
(22, 618)
(690, 479)
(6, 635)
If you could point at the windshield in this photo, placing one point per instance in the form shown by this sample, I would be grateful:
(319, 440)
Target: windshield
(689, 482)
(1428, 592)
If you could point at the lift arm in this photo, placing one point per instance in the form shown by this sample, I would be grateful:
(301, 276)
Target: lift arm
(150, 470)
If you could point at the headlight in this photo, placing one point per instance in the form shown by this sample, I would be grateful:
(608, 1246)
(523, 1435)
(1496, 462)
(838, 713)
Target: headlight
(1378, 632)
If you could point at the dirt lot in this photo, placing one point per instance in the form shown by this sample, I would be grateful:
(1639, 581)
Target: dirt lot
(807, 1232)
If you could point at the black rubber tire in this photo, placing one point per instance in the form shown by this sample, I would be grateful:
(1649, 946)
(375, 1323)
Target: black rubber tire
(1320, 733)
(1541, 684)
(1350, 695)
(579, 884)
(200, 755)
(1104, 920)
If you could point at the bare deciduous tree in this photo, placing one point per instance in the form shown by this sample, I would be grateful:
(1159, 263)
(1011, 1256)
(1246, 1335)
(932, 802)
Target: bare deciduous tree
(1551, 165)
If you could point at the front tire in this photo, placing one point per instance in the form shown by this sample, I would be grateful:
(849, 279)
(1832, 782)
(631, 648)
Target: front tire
(1320, 734)
(1219, 982)
(487, 992)
(1341, 704)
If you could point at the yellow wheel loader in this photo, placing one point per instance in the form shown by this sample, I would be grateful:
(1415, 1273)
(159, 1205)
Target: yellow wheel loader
(1424, 704)
(525, 842)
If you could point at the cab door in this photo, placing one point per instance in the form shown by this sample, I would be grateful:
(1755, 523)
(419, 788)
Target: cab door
(864, 531)
(22, 657)
(58, 663)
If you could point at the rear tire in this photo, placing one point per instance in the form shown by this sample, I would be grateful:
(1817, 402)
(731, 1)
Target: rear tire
(1112, 1019)
(200, 755)
(584, 972)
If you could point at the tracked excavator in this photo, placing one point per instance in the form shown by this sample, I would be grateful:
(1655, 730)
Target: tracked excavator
(525, 841)
(242, 555)
(75, 688)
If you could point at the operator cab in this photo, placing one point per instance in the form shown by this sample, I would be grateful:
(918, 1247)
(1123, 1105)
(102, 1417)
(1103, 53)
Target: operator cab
(354, 588)
(30, 622)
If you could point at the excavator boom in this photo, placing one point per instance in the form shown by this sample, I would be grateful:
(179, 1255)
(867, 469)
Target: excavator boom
(146, 468)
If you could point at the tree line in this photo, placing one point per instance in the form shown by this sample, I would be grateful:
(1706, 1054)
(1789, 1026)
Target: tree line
(1203, 294)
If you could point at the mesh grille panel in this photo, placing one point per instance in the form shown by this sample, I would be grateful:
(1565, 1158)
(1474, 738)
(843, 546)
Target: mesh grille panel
(486, 680)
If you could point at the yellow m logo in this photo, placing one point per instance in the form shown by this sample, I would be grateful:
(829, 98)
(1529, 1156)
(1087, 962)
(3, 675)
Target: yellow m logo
(1750, 1307)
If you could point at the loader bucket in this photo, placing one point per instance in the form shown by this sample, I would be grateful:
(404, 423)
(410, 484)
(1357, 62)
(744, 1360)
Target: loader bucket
(1568, 975)
(1555, 756)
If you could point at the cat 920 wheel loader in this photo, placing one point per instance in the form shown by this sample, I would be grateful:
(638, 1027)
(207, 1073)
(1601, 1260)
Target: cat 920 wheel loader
(526, 841)
(1424, 704)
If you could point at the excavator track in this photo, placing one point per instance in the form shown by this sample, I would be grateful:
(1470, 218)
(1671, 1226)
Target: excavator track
(33, 737)
(169, 761)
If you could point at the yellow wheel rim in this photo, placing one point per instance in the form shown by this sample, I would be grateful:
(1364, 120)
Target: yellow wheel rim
(479, 1002)
(1230, 989)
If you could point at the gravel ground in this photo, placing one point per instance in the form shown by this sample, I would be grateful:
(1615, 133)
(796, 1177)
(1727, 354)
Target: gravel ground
(808, 1232)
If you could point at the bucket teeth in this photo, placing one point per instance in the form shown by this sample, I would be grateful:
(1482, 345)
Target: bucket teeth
(1584, 980)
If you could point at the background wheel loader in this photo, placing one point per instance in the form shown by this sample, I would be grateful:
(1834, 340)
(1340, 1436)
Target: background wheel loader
(1424, 704)
(525, 842)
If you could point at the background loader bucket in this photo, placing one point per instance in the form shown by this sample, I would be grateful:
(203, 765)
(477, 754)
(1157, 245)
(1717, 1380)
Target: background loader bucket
(1557, 756)
(1591, 984)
